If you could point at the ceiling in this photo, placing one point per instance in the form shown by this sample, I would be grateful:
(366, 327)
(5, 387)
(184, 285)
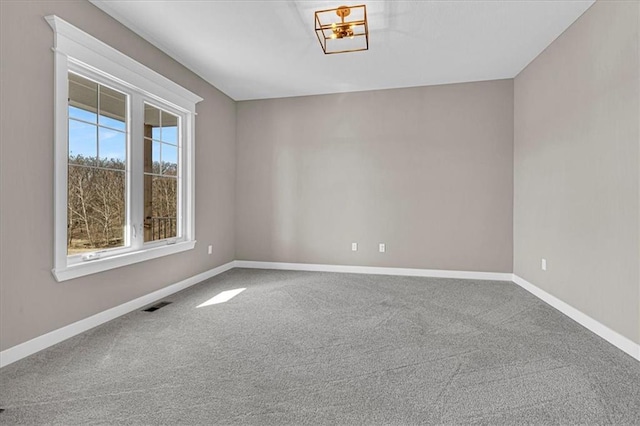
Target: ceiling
(268, 49)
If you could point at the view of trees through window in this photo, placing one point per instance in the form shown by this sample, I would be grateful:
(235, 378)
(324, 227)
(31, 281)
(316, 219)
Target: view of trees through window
(97, 164)
(160, 174)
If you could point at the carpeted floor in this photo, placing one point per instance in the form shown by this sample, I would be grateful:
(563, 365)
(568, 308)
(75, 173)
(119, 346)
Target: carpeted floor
(325, 348)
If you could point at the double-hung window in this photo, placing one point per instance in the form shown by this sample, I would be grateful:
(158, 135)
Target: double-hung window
(124, 142)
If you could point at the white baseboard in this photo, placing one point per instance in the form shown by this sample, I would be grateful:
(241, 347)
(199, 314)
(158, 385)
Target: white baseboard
(374, 270)
(39, 343)
(613, 337)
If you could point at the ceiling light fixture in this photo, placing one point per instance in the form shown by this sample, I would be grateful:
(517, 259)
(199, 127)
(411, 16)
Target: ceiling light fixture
(349, 32)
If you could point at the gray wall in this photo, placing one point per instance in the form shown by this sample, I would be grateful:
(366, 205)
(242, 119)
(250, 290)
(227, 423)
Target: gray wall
(31, 302)
(577, 166)
(428, 171)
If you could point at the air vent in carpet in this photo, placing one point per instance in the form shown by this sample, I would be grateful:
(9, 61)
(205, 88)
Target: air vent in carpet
(156, 306)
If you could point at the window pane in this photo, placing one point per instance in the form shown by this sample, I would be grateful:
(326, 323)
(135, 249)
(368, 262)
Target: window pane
(160, 205)
(83, 98)
(81, 114)
(83, 143)
(169, 160)
(113, 149)
(151, 156)
(113, 108)
(169, 128)
(151, 122)
(156, 157)
(95, 209)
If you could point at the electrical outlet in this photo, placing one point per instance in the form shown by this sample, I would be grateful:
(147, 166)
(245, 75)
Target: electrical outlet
(382, 247)
(210, 249)
(543, 264)
(354, 246)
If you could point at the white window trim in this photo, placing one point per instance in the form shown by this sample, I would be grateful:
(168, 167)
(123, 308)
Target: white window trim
(74, 46)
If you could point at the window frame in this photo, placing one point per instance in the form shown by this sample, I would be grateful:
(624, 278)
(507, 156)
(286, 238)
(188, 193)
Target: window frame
(78, 52)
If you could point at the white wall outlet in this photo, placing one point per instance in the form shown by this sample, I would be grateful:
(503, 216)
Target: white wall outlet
(382, 247)
(210, 249)
(543, 264)
(354, 246)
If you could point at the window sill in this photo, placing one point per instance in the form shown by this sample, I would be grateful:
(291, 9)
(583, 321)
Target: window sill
(107, 263)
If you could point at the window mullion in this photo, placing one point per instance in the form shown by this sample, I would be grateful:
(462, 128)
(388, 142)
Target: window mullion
(136, 148)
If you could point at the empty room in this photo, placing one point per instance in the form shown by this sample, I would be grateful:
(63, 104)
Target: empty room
(319, 212)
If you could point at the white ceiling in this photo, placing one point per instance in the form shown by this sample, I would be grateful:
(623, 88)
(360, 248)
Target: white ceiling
(268, 49)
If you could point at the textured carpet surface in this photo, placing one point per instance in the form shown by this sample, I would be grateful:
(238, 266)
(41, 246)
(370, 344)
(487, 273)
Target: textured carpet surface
(326, 348)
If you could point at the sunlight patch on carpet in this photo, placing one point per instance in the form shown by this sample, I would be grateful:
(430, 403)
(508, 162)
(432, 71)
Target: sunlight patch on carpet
(225, 296)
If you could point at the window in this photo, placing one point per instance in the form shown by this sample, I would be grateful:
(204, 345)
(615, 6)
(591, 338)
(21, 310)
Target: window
(123, 159)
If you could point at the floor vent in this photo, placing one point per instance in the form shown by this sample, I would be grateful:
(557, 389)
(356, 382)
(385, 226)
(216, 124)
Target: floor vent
(156, 306)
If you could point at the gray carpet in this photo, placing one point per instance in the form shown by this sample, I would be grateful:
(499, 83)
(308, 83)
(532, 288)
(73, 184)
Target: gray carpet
(324, 348)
